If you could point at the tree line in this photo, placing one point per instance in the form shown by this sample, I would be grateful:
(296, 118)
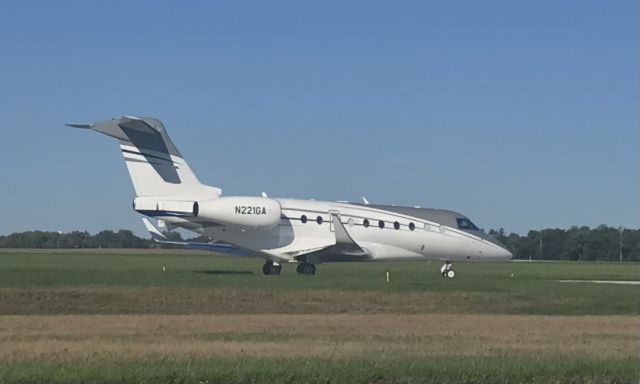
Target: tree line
(576, 243)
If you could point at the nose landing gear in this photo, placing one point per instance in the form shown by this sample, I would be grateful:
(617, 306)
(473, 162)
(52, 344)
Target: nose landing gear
(447, 271)
(270, 268)
(306, 269)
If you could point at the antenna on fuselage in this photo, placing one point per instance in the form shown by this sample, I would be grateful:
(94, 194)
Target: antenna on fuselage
(365, 201)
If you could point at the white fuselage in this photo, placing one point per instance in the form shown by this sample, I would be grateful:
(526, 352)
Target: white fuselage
(414, 238)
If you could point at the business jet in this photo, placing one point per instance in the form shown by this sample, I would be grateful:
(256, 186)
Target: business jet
(281, 231)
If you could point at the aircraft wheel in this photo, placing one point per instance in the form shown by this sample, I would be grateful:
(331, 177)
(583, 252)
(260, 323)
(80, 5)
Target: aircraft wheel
(271, 269)
(306, 269)
(309, 269)
(447, 271)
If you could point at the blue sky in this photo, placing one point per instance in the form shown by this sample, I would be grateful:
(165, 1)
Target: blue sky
(520, 114)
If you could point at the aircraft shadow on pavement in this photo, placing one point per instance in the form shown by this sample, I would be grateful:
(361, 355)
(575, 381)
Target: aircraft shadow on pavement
(224, 272)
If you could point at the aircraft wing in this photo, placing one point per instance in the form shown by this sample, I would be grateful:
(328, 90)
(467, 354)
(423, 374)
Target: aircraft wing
(228, 249)
(345, 248)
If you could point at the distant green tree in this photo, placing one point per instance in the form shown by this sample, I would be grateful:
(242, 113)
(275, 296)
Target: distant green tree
(575, 243)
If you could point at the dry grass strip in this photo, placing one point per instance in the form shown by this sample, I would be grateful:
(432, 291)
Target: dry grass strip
(323, 335)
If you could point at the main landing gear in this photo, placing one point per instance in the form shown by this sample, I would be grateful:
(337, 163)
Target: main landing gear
(447, 271)
(306, 269)
(270, 268)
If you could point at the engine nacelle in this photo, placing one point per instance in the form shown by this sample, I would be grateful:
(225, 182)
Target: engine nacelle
(245, 212)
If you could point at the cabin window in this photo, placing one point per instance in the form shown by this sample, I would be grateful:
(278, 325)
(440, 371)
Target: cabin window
(365, 223)
(319, 220)
(466, 224)
(303, 218)
(381, 224)
(412, 226)
(396, 225)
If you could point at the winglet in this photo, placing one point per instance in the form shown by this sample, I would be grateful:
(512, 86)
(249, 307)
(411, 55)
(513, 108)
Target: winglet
(344, 244)
(344, 241)
(342, 236)
(156, 235)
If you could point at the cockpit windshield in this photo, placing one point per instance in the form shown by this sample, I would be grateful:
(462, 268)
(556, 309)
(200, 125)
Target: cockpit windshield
(466, 224)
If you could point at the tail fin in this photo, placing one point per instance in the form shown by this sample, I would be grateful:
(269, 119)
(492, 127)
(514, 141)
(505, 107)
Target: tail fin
(155, 165)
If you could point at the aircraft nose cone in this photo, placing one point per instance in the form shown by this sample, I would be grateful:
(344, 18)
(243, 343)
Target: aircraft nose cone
(498, 250)
(500, 253)
(506, 254)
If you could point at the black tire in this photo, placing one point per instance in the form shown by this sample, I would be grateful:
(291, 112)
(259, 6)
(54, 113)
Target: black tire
(271, 269)
(309, 269)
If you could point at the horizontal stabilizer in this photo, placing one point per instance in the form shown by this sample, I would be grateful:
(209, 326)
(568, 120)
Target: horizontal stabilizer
(136, 124)
(83, 126)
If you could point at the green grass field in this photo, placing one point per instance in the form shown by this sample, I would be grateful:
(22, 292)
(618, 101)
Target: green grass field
(115, 316)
